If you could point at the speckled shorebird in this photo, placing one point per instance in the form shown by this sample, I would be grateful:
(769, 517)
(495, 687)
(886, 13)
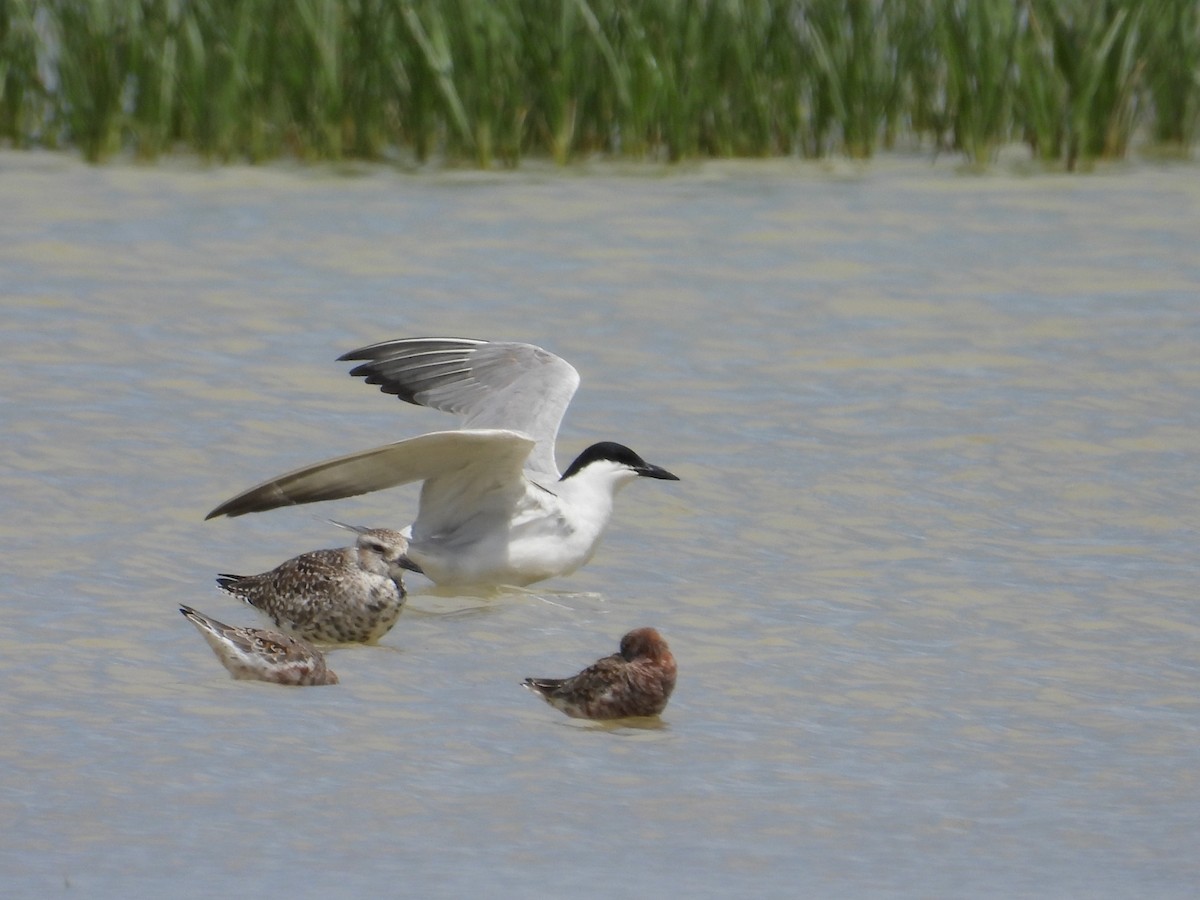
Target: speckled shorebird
(252, 653)
(636, 681)
(346, 595)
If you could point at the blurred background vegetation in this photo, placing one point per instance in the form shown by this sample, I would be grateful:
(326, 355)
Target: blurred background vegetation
(488, 82)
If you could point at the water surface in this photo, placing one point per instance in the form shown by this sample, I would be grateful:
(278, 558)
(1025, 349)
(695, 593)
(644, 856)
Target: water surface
(930, 574)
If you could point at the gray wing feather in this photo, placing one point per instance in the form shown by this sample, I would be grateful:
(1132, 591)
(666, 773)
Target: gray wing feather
(491, 384)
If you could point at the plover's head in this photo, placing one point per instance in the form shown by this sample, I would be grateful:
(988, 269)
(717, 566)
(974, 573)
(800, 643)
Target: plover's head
(643, 643)
(389, 545)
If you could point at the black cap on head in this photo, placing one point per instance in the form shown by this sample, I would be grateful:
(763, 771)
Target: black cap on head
(618, 453)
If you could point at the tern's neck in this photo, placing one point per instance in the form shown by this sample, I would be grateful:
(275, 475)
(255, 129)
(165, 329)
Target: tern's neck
(588, 494)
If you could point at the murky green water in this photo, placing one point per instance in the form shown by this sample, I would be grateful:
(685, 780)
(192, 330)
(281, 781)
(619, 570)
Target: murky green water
(931, 574)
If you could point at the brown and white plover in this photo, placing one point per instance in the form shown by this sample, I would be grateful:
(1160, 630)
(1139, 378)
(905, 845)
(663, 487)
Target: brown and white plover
(636, 681)
(345, 595)
(252, 653)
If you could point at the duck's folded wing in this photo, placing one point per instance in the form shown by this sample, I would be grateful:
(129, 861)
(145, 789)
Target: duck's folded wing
(416, 459)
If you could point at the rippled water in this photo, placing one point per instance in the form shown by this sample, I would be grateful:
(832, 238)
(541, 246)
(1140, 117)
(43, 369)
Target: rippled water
(930, 574)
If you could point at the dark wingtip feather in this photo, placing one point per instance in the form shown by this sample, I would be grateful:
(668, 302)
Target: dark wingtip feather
(231, 508)
(257, 499)
(370, 374)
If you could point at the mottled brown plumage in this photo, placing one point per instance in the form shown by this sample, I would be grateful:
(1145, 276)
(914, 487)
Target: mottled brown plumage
(636, 681)
(346, 595)
(252, 653)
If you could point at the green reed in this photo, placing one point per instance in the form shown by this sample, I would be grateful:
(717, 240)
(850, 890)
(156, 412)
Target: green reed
(94, 64)
(856, 56)
(493, 81)
(1171, 31)
(22, 99)
(978, 42)
(1081, 64)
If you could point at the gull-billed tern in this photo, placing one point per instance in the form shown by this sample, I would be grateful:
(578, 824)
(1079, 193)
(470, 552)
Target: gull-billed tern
(494, 509)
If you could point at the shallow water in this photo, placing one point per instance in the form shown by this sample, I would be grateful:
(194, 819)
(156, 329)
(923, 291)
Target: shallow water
(930, 574)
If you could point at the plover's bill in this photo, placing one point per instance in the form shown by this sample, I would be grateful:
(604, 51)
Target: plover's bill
(346, 595)
(636, 681)
(252, 653)
(494, 509)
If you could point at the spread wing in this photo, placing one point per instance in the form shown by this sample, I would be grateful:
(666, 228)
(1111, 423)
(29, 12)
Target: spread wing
(430, 456)
(491, 384)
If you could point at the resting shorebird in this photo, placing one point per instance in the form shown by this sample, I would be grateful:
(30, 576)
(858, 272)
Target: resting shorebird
(636, 681)
(341, 596)
(251, 653)
(494, 509)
